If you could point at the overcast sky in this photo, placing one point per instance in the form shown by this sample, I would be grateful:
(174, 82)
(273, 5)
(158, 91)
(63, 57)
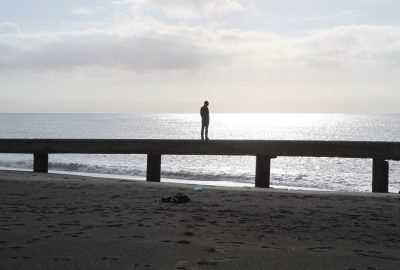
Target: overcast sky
(140, 56)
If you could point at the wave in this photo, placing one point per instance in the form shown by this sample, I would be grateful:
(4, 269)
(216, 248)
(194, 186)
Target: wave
(128, 171)
(341, 181)
(207, 176)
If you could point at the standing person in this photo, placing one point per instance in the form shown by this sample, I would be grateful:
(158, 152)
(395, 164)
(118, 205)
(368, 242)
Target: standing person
(205, 120)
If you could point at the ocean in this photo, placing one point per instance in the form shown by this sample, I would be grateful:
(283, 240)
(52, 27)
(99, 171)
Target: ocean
(336, 174)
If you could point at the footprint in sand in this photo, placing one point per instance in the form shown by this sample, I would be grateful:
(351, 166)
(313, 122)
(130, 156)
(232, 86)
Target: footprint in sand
(181, 265)
(138, 265)
(320, 249)
(211, 250)
(32, 240)
(21, 257)
(207, 262)
(183, 242)
(105, 258)
(64, 259)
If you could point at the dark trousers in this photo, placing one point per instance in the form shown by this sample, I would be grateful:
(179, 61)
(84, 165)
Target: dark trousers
(204, 130)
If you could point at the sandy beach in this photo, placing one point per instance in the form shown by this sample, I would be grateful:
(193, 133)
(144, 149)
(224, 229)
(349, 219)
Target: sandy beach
(51, 221)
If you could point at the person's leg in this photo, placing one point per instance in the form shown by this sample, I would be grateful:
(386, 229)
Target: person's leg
(206, 131)
(202, 131)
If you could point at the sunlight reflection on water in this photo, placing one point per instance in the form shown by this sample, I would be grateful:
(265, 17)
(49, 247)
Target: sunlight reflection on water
(327, 173)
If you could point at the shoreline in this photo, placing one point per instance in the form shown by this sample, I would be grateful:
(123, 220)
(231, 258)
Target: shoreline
(55, 221)
(222, 183)
(177, 183)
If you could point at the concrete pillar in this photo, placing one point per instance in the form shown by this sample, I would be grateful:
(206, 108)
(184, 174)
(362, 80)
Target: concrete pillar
(263, 168)
(380, 176)
(153, 167)
(41, 162)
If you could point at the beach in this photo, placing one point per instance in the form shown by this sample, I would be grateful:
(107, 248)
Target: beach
(55, 221)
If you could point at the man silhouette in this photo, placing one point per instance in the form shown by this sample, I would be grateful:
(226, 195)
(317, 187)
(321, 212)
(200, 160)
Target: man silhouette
(205, 120)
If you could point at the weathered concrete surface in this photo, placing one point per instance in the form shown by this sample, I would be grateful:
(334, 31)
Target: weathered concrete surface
(380, 176)
(343, 149)
(263, 171)
(40, 162)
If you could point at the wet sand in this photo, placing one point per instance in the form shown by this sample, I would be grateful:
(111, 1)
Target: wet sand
(50, 221)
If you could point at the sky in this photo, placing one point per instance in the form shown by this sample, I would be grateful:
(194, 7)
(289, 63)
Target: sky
(168, 56)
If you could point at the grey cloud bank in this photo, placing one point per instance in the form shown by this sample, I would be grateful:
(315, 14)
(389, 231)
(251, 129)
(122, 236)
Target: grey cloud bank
(176, 48)
(98, 48)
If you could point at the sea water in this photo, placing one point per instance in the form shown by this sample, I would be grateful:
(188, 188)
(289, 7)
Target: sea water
(325, 173)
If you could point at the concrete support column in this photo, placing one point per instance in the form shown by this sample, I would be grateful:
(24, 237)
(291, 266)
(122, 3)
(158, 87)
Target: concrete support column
(263, 171)
(153, 168)
(380, 176)
(41, 162)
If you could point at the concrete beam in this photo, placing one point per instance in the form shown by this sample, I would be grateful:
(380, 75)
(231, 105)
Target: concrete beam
(348, 149)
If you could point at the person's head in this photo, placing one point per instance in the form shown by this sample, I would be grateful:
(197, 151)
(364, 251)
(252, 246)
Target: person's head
(206, 103)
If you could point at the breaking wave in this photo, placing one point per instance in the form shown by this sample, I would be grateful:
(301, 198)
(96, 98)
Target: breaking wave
(126, 171)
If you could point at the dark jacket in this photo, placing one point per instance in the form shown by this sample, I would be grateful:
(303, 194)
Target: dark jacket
(205, 114)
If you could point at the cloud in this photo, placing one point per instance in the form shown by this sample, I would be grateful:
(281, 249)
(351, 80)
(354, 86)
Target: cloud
(188, 9)
(198, 9)
(82, 11)
(357, 45)
(151, 46)
(9, 28)
(141, 51)
(341, 16)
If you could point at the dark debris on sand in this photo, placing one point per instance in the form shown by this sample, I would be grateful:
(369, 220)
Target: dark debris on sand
(177, 199)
